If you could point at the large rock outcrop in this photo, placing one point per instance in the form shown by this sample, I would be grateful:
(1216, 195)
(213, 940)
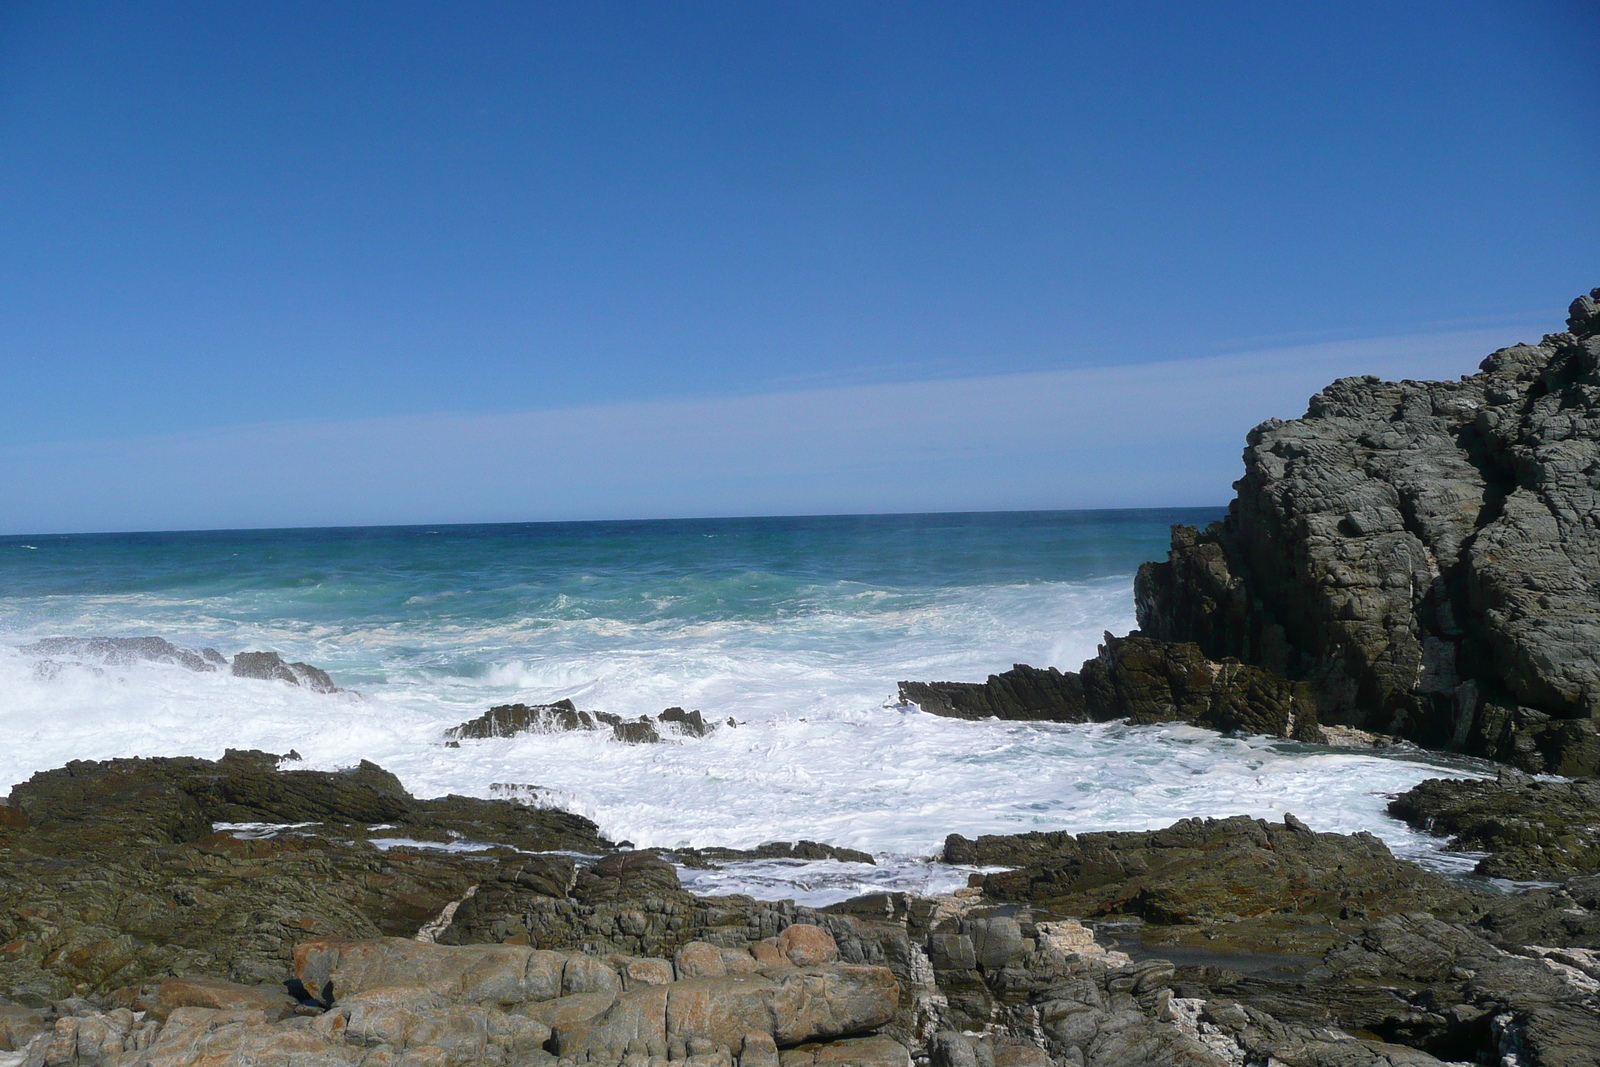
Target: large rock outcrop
(1424, 555)
(119, 872)
(1137, 679)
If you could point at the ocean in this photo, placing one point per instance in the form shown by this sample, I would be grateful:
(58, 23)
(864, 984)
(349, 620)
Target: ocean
(797, 629)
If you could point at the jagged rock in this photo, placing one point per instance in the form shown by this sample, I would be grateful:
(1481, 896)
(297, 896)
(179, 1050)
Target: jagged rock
(271, 667)
(689, 723)
(1138, 679)
(510, 720)
(19, 1024)
(1531, 829)
(1148, 681)
(122, 651)
(1330, 936)
(1424, 554)
(1023, 692)
(1242, 882)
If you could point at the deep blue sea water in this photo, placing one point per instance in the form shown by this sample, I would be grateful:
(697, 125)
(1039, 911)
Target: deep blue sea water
(796, 628)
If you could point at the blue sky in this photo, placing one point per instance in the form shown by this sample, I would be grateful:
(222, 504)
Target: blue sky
(272, 264)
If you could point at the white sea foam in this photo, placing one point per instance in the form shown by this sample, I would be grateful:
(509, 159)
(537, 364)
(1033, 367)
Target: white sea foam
(820, 751)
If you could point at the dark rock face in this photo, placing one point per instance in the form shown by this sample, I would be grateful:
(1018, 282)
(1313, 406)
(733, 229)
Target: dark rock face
(1023, 692)
(1149, 681)
(1532, 829)
(1138, 679)
(271, 667)
(509, 720)
(1426, 555)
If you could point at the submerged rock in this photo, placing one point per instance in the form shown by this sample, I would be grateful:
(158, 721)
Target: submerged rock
(121, 651)
(271, 667)
(1424, 555)
(511, 720)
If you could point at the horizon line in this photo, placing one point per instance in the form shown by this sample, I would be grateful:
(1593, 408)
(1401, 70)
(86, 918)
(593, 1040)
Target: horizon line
(618, 521)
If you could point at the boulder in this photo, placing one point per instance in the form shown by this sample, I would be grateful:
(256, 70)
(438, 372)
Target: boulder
(806, 945)
(333, 969)
(792, 1005)
(175, 993)
(271, 667)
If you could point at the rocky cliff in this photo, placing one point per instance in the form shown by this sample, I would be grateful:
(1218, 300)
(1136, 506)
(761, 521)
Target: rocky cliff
(1424, 555)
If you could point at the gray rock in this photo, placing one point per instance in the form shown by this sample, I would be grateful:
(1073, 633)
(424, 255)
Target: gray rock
(1023, 692)
(271, 667)
(121, 651)
(510, 720)
(1425, 555)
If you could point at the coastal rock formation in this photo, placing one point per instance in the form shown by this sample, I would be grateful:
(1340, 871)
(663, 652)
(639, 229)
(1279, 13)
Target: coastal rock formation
(1138, 679)
(271, 667)
(120, 651)
(1530, 828)
(399, 1001)
(509, 720)
(124, 651)
(1424, 555)
(126, 940)
(1149, 681)
(121, 872)
(1023, 692)
(1286, 937)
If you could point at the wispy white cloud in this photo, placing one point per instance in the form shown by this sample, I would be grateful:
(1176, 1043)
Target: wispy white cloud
(1162, 433)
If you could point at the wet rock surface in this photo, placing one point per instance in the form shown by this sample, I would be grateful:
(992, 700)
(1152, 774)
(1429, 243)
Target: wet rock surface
(510, 720)
(1279, 937)
(271, 667)
(125, 651)
(1532, 829)
(113, 874)
(1140, 680)
(121, 651)
(1023, 692)
(1212, 942)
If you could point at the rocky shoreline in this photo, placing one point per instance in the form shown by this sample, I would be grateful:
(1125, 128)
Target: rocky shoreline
(1415, 560)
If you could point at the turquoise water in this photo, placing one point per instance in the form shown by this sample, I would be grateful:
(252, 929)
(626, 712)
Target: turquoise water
(796, 628)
